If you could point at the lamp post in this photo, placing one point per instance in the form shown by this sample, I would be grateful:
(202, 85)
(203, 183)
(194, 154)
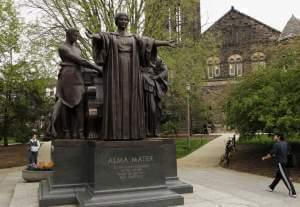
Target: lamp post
(188, 89)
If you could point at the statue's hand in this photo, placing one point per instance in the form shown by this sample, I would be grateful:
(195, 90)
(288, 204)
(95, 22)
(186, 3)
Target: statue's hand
(89, 34)
(172, 43)
(99, 69)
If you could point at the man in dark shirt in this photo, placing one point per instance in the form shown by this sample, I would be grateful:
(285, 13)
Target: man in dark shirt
(280, 152)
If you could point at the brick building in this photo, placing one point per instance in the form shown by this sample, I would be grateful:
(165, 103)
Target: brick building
(243, 40)
(242, 49)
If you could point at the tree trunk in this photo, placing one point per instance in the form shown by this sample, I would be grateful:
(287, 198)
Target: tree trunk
(5, 120)
(5, 141)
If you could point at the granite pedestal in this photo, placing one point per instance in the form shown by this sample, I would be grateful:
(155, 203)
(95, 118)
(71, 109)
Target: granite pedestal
(127, 174)
(70, 174)
(170, 168)
(114, 173)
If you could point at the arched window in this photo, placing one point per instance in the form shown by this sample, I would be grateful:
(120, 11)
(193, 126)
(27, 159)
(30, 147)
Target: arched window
(258, 60)
(235, 65)
(213, 67)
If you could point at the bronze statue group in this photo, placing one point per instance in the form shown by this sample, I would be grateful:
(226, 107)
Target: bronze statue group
(134, 78)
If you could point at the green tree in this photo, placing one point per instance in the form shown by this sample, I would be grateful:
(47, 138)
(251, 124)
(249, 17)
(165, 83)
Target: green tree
(9, 30)
(187, 64)
(267, 100)
(22, 91)
(9, 35)
(97, 15)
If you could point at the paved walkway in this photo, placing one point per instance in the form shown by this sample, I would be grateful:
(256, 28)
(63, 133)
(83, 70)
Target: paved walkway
(8, 180)
(11, 180)
(207, 156)
(218, 187)
(213, 186)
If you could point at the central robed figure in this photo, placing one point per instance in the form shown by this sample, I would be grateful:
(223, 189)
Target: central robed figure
(123, 55)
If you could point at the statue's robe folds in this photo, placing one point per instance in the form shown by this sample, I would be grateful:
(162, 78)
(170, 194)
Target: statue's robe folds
(122, 58)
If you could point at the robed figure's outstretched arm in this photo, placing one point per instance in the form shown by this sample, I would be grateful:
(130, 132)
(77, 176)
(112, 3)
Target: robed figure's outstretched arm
(161, 43)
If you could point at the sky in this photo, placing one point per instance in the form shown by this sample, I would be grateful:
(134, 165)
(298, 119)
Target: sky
(274, 13)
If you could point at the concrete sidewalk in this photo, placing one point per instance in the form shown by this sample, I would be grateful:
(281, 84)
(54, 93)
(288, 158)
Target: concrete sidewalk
(8, 180)
(11, 180)
(207, 156)
(218, 187)
(213, 186)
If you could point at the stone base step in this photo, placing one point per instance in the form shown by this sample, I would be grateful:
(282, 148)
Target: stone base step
(25, 195)
(8, 179)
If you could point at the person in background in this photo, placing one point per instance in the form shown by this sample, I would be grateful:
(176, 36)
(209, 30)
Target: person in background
(280, 152)
(34, 146)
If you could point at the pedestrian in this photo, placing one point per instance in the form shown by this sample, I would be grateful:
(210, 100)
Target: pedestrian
(34, 146)
(279, 152)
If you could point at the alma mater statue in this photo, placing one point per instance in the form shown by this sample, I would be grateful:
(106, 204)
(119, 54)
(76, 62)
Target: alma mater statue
(122, 56)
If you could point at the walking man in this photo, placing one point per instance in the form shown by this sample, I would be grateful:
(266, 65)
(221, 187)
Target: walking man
(280, 152)
(34, 146)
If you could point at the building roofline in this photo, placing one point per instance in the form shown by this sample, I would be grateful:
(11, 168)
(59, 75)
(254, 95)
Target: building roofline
(249, 17)
(291, 29)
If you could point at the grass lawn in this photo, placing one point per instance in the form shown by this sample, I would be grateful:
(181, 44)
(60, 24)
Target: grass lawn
(181, 146)
(10, 141)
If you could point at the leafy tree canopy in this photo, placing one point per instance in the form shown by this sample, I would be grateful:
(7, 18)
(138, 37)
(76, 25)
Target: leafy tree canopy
(22, 89)
(268, 99)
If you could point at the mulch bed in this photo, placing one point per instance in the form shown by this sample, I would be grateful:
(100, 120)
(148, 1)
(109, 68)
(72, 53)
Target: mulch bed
(247, 158)
(17, 155)
(13, 156)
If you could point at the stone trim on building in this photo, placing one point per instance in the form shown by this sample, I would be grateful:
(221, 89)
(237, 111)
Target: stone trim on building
(243, 41)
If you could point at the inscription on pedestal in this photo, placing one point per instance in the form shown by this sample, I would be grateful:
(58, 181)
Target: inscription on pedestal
(120, 167)
(130, 167)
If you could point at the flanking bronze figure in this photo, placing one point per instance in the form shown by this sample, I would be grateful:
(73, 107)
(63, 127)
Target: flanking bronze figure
(122, 56)
(155, 86)
(68, 116)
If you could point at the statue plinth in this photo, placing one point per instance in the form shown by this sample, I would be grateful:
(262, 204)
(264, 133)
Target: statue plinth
(114, 173)
(70, 173)
(127, 173)
(170, 168)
